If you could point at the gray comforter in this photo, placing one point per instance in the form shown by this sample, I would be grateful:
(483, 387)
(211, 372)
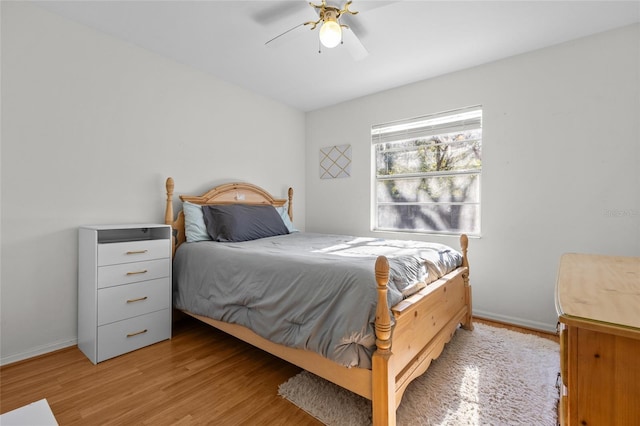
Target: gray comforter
(303, 290)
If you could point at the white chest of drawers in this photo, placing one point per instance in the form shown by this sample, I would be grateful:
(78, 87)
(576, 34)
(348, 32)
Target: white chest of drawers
(124, 288)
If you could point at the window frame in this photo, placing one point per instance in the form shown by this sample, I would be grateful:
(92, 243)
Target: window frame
(417, 129)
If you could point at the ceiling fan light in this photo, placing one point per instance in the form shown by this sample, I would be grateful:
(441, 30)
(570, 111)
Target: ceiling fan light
(330, 34)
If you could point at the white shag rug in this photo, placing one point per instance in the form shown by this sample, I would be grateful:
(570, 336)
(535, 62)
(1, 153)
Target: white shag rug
(489, 376)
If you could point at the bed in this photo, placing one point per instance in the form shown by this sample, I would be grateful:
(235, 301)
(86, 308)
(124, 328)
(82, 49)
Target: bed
(410, 325)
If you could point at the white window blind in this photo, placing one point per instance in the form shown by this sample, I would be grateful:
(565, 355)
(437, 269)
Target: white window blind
(424, 127)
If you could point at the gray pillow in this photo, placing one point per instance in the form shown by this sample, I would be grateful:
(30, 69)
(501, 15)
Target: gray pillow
(241, 222)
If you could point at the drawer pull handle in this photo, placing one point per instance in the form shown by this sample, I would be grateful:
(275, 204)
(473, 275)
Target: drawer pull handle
(139, 299)
(144, 271)
(136, 333)
(137, 251)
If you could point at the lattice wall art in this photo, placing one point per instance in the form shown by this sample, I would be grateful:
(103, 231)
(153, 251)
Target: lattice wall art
(335, 162)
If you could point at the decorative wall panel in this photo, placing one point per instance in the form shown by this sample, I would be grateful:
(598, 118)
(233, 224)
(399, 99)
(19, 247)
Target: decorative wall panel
(335, 161)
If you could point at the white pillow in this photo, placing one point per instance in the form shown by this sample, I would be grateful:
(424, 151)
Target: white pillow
(285, 217)
(194, 227)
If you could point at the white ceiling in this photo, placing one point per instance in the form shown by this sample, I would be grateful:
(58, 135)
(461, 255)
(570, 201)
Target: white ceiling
(407, 41)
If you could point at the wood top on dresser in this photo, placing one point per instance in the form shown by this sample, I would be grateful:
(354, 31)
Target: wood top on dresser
(600, 288)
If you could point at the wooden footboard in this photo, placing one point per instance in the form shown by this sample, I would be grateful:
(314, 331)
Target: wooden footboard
(424, 322)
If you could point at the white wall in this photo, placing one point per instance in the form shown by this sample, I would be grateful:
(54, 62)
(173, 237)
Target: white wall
(91, 128)
(561, 164)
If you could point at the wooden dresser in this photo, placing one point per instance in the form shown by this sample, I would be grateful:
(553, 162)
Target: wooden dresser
(598, 302)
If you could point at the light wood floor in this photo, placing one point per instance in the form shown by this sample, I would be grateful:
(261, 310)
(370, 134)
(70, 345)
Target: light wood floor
(200, 376)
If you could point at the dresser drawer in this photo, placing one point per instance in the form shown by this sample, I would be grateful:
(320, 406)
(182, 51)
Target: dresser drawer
(131, 334)
(132, 251)
(130, 300)
(133, 272)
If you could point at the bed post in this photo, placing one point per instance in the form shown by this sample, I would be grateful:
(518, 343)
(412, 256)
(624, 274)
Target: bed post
(168, 213)
(384, 383)
(464, 244)
(290, 205)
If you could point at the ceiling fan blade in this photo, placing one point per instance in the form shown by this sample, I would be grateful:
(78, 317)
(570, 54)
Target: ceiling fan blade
(354, 45)
(277, 38)
(367, 5)
(355, 24)
(278, 11)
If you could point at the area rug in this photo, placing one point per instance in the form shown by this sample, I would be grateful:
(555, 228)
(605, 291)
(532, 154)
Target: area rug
(489, 376)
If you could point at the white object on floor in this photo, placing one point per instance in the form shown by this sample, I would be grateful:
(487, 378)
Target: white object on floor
(35, 414)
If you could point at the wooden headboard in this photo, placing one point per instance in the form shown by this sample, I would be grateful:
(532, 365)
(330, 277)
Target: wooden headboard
(229, 193)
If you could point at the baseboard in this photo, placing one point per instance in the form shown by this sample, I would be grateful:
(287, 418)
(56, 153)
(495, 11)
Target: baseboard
(534, 325)
(40, 350)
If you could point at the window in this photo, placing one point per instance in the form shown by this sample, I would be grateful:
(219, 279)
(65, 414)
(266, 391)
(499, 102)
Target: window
(427, 173)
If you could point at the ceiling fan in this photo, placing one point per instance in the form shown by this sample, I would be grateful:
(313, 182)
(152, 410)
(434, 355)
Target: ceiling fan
(332, 31)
